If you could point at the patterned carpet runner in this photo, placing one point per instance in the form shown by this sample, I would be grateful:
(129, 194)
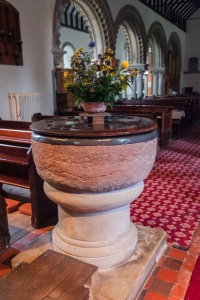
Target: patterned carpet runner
(171, 196)
(193, 291)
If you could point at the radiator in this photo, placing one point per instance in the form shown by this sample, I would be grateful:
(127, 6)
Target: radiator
(23, 106)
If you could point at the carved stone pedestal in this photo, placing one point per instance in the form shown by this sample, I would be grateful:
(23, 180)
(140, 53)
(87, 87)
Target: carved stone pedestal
(93, 170)
(95, 228)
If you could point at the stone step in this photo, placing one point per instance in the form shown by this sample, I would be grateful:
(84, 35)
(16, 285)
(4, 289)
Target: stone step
(52, 275)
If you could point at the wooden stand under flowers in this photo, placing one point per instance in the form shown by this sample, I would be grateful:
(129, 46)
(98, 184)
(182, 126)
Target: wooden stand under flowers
(97, 119)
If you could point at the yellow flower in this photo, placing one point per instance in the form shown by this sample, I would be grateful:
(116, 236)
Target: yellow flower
(80, 49)
(67, 85)
(110, 51)
(122, 77)
(124, 86)
(134, 72)
(76, 53)
(125, 64)
(109, 58)
(66, 74)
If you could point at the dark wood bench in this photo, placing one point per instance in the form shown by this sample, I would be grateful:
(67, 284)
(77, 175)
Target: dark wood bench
(186, 104)
(4, 231)
(162, 115)
(17, 168)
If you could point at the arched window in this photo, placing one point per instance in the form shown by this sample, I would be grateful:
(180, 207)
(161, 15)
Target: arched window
(69, 49)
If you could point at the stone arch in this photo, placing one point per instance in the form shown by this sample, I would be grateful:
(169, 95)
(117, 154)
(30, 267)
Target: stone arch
(157, 38)
(99, 20)
(133, 28)
(175, 44)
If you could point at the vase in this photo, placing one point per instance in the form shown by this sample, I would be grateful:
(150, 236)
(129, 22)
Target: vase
(94, 107)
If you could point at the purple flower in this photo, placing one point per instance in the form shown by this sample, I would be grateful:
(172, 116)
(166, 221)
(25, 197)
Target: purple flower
(99, 56)
(92, 44)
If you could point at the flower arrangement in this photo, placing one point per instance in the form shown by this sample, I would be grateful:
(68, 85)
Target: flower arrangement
(100, 80)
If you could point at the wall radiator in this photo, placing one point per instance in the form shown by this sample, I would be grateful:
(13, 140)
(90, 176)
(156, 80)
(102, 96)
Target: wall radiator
(23, 106)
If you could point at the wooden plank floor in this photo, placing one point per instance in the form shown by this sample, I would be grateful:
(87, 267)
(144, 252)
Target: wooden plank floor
(19, 224)
(51, 276)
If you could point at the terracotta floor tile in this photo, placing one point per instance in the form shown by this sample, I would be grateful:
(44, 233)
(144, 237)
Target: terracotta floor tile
(177, 254)
(195, 248)
(161, 260)
(4, 270)
(166, 250)
(161, 287)
(184, 277)
(183, 281)
(189, 262)
(175, 297)
(142, 294)
(148, 283)
(196, 239)
(172, 264)
(154, 296)
(155, 270)
(179, 289)
(197, 233)
(167, 275)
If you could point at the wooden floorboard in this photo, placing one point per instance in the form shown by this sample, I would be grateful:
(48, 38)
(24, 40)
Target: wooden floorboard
(19, 226)
(59, 277)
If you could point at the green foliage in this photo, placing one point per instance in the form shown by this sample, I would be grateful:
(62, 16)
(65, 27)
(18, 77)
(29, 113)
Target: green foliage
(98, 80)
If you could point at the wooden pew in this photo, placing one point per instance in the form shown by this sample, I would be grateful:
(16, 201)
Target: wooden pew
(163, 117)
(186, 104)
(17, 168)
(4, 231)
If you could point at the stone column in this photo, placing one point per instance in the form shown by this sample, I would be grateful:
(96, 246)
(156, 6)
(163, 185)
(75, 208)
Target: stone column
(155, 81)
(161, 73)
(89, 228)
(132, 87)
(139, 79)
(58, 58)
(139, 83)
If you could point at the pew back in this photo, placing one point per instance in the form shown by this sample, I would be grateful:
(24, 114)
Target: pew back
(17, 168)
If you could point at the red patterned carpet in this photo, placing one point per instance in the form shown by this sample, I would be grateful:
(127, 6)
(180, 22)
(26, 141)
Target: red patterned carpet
(194, 284)
(171, 196)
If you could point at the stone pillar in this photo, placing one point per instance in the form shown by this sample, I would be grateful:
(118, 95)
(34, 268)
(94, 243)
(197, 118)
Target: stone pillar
(139, 83)
(161, 73)
(129, 92)
(133, 85)
(58, 58)
(145, 86)
(155, 81)
(95, 227)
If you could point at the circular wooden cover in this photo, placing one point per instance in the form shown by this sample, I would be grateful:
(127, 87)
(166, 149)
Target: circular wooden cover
(84, 126)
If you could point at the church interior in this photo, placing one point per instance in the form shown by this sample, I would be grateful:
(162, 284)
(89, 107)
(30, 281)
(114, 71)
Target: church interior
(100, 205)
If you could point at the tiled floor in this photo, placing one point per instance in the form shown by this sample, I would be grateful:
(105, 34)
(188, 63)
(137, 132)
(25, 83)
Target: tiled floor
(168, 280)
(171, 275)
